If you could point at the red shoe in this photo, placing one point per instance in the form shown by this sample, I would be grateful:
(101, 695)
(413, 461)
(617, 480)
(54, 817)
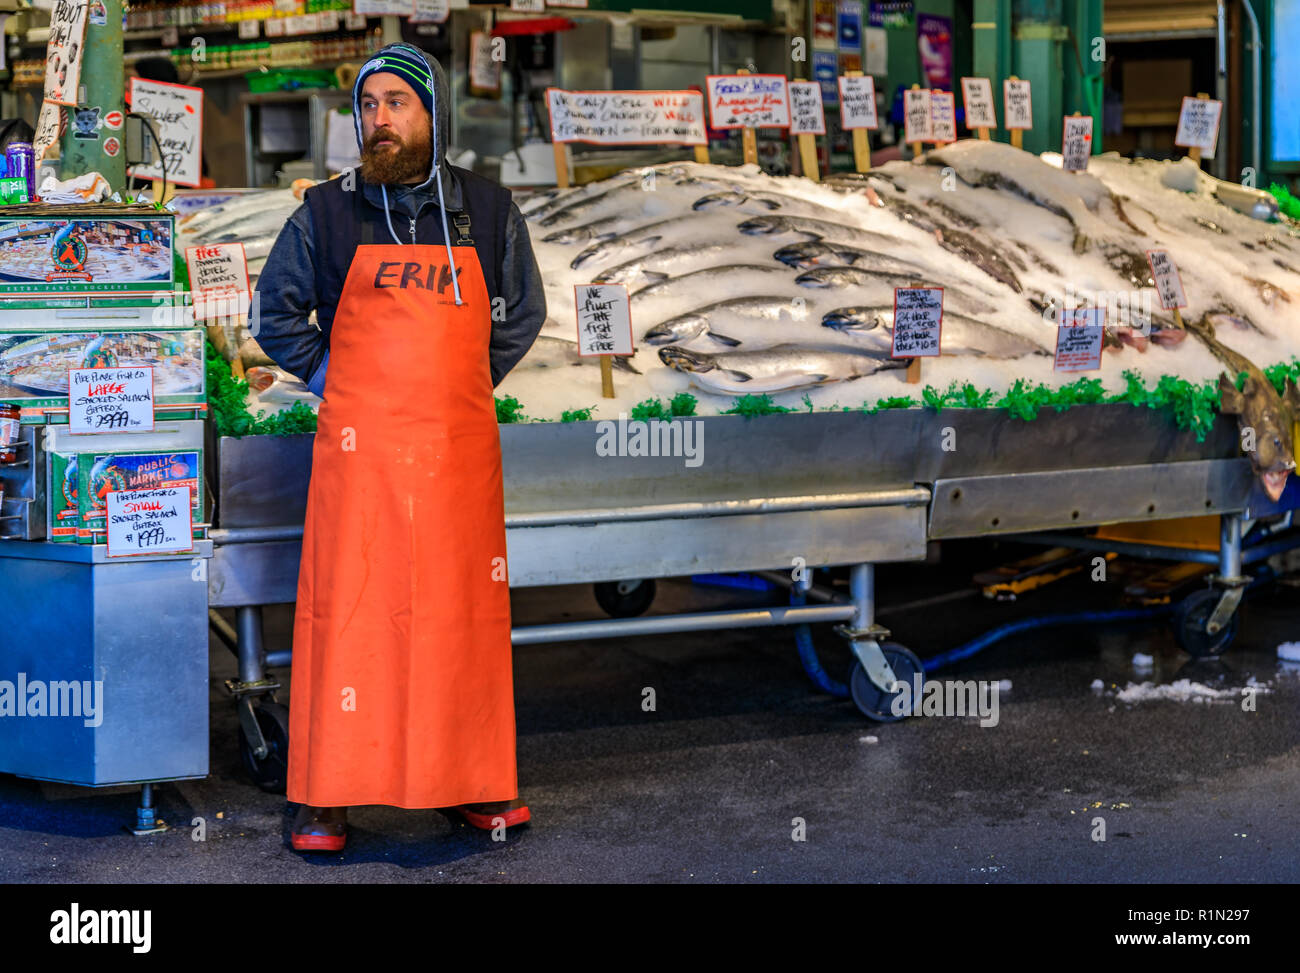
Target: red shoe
(319, 829)
(480, 816)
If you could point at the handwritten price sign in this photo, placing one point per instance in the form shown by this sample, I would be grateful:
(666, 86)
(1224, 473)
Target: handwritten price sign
(218, 280)
(1078, 339)
(1169, 284)
(1017, 107)
(110, 399)
(806, 114)
(943, 117)
(1076, 142)
(858, 102)
(156, 521)
(748, 101)
(977, 93)
(918, 321)
(604, 319)
(177, 113)
(1198, 124)
(916, 116)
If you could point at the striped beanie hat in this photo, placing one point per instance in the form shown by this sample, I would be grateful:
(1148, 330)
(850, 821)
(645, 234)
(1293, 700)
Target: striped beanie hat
(407, 63)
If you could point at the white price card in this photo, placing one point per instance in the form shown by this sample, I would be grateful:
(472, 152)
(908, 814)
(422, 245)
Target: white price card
(248, 29)
(748, 101)
(381, 8)
(858, 102)
(604, 319)
(528, 6)
(64, 50)
(918, 322)
(177, 114)
(977, 96)
(156, 521)
(47, 129)
(1076, 142)
(916, 115)
(218, 280)
(1169, 284)
(1079, 338)
(1017, 108)
(806, 114)
(627, 117)
(484, 69)
(943, 117)
(431, 11)
(1198, 124)
(112, 399)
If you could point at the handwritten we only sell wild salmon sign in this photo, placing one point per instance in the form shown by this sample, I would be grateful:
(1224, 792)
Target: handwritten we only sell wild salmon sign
(116, 399)
(748, 101)
(218, 280)
(627, 117)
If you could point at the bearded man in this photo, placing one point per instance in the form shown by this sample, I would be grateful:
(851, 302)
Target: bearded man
(402, 689)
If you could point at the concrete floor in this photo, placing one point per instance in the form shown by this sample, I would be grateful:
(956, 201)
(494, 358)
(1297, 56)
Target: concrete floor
(707, 787)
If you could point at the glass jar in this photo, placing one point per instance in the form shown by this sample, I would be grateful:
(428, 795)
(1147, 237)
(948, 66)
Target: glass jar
(9, 422)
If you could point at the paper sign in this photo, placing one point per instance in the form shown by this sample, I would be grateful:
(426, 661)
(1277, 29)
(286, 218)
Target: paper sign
(748, 101)
(218, 280)
(604, 319)
(47, 130)
(528, 6)
(943, 117)
(806, 114)
(1169, 284)
(484, 69)
(1076, 142)
(1198, 124)
(1016, 107)
(177, 113)
(248, 29)
(916, 115)
(858, 103)
(381, 8)
(977, 96)
(158, 521)
(567, 3)
(431, 11)
(875, 51)
(918, 321)
(64, 50)
(1078, 339)
(627, 117)
(110, 399)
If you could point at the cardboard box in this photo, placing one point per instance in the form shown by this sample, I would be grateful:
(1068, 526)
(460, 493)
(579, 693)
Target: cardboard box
(99, 473)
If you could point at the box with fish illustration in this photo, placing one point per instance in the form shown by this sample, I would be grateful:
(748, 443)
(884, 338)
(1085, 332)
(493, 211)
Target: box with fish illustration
(101, 473)
(34, 366)
(104, 248)
(61, 493)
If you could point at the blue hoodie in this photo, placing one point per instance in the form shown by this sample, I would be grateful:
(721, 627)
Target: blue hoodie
(287, 284)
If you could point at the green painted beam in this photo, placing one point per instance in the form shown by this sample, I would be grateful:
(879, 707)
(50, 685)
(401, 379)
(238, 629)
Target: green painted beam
(101, 89)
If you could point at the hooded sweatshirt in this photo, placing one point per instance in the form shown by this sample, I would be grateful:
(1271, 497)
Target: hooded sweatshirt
(287, 284)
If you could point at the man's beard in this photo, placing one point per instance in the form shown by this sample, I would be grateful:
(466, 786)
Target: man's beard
(390, 165)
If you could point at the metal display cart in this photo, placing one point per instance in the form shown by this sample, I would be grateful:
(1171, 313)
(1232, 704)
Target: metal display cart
(833, 489)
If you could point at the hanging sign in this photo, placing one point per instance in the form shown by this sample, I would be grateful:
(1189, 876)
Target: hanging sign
(64, 51)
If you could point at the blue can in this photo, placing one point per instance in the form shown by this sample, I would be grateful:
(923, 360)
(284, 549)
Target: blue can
(20, 158)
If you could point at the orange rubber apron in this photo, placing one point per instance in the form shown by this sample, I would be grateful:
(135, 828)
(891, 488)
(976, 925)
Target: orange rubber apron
(402, 688)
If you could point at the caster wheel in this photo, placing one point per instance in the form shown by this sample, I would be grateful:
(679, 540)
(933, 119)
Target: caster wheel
(624, 599)
(271, 773)
(1189, 625)
(876, 704)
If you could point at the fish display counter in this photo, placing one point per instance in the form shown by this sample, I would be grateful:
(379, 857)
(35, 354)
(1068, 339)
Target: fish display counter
(763, 416)
(101, 587)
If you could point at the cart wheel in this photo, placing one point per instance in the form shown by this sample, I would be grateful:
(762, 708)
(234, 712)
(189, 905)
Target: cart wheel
(874, 703)
(1189, 625)
(271, 773)
(624, 599)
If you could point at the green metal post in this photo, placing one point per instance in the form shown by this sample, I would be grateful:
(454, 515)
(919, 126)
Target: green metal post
(100, 93)
(1038, 60)
(992, 31)
(1083, 92)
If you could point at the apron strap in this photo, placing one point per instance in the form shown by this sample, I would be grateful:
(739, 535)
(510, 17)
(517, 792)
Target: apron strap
(367, 227)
